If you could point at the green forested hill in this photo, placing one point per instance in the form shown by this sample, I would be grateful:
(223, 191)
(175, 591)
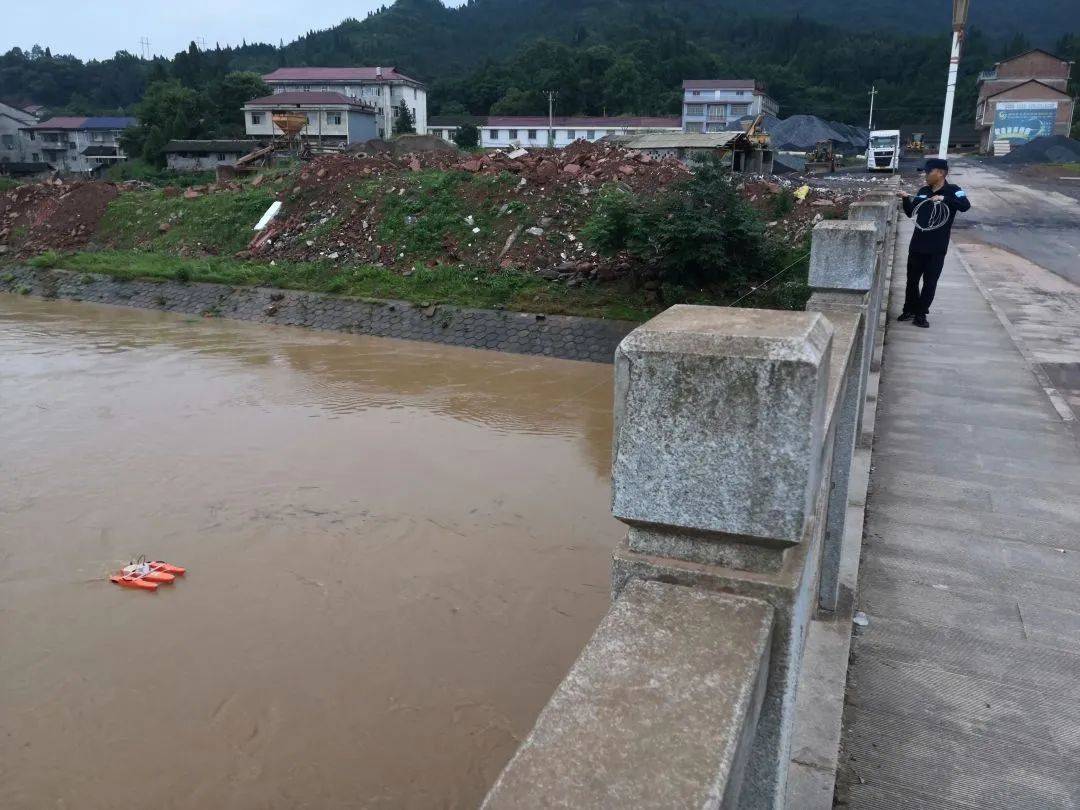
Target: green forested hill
(614, 56)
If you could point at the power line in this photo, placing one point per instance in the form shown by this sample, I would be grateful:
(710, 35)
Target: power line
(144, 44)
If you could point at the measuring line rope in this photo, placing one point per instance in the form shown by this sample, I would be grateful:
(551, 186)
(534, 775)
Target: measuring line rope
(939, 217)
(770, 278)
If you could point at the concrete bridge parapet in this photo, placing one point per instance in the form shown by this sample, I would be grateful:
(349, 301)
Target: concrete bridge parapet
(734, 436)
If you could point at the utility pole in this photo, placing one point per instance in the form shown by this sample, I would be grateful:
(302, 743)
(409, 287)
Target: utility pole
(873, 92)
(144, 46)
(959, 20)
(551, 94)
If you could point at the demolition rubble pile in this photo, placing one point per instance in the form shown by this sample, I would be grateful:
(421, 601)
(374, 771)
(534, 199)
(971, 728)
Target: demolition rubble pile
(52, 215)
(529, 217)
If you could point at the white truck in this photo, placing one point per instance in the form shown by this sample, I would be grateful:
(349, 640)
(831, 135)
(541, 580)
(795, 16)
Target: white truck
(883, 152)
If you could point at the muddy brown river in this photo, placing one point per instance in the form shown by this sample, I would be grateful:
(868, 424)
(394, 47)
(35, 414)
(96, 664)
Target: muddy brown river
(395, 551)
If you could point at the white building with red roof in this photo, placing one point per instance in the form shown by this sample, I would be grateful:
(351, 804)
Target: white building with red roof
(715, 105)
(333, 119)
(499, 131)
(382, 88)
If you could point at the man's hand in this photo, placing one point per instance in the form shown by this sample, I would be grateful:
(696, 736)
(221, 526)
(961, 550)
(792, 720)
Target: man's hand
(903, 195)
(937, 198)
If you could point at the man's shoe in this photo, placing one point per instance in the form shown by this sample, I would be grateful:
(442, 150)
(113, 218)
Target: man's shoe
(920, 320)
(904, 316)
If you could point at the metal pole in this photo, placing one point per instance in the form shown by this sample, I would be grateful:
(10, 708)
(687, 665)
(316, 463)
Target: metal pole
(950, 95)
(873, 92)
(551, 118)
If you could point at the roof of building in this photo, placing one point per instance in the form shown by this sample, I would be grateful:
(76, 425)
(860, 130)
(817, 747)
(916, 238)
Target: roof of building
(582, 122)
(687, 140)
(208, 147)
(1024, 84)
(84, 122)
(337, 74)
(722, 84)
(17, 113)
(99, 151)
(15, 167)
(314, 99)
(1030, 51)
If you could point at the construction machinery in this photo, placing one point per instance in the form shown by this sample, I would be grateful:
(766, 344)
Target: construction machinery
(821, 159)
(916, 144)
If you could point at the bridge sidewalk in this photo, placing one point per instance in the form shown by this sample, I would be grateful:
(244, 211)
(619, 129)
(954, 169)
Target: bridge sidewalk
(964, 690)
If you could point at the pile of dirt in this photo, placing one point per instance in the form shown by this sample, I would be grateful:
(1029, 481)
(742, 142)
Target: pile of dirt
(53, 215)
(529, 216)
(518, 208)
(1048, 149)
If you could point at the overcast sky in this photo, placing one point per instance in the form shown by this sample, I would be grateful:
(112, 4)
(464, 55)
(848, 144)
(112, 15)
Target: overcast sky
(97, 30)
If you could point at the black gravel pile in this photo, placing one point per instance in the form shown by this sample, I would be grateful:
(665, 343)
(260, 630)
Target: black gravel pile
(1048, 149)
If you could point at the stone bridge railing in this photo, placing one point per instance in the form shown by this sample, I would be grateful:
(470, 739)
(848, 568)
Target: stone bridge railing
(734, 436)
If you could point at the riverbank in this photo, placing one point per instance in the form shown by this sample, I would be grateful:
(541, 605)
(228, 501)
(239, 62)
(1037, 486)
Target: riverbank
(567, 337)
(593, 231)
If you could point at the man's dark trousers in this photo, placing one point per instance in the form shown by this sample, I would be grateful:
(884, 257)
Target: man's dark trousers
(927, 268)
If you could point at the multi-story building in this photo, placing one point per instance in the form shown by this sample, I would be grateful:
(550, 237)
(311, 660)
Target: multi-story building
(333, 119)
(1024, 97)
(499, 131)
(382, 88)
(79, 144)
(714, 105)
(15, 143)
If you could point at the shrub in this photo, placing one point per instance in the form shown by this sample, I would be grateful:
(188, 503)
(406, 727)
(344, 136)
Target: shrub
(783, 203)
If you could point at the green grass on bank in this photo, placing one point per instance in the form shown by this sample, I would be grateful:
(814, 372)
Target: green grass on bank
(214, 223)
(446, 284)
(7, 183)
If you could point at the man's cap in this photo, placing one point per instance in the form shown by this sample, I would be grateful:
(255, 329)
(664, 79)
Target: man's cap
(936, 163)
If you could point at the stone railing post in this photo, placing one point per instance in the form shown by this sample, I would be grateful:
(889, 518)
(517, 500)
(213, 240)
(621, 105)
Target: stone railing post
(718, 469)
(844, 274)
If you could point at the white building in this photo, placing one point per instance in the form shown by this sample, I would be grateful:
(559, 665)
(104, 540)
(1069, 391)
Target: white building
(333, 119)
(79, 144)
(15, 143)
(499, 131)
(383, 88)
(714, 105)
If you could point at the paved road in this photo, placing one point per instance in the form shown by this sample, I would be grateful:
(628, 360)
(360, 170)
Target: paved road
(1024, 217)
(964, 689)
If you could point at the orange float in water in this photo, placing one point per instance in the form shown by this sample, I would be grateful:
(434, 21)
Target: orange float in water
(147, 575)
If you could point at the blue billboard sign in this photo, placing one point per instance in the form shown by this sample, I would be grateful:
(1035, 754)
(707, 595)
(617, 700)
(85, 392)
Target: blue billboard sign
(1022, 121)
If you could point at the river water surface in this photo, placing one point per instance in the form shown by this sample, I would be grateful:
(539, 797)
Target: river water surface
(395, 552)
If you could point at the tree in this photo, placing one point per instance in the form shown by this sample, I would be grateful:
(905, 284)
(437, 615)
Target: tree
(168, 111)
(403, 120)
(226, 97)
(467, 136)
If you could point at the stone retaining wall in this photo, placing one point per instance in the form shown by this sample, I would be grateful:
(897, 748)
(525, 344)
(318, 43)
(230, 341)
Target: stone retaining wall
(562, 336)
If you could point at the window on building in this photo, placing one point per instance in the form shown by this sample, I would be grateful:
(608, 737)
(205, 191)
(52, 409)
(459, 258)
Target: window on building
(35, 156)
(695, 92)
(8, 141)
(532, 134)
(740, 109)
(333, 118)
(513, 134)
(717, 111)
(740, 92)
(222, 156)
(695, 109)
(571, 134)
(591, 135)
(493, 134)
(256, 118)
(311, 119)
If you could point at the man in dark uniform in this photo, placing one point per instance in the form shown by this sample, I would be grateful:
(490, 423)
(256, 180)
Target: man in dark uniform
(934, 208)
